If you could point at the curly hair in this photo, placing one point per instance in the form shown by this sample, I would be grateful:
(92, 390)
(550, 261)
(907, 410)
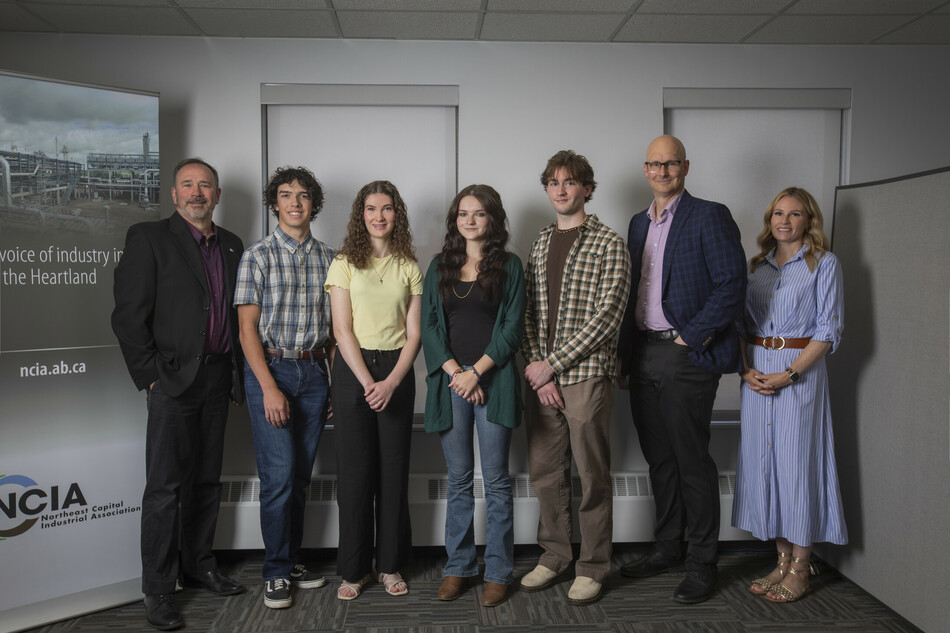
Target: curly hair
(575, 165)
(286, 176)
(357, 246)
(814, 238)
(491, 269)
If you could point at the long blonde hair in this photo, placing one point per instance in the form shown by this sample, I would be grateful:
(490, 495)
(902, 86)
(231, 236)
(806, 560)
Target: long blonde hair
(814, 238)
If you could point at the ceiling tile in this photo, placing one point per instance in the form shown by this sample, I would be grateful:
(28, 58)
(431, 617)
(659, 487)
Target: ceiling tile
(100, 3)
(549, 27)
(259, 23)
(718, 29)
(13, 18)
(930, 29)
(408, 5)
(408, 25)
(826, 29)
(116, 20)
(861, 7)
(705, 7)
(563, 6)
(309, 5)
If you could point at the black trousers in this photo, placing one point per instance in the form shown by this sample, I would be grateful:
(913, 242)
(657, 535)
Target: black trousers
(184, 444)
(372, 455)
(671, 400)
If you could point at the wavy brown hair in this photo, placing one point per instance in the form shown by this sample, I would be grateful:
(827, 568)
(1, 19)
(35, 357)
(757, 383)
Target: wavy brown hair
(357, 247)
(491, 269)
(576, 166)
(814, 237)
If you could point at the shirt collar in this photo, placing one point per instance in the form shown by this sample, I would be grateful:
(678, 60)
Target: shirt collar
(199, 236)
(770, 258)
(290, 243)
(668, 209)
(588, 224)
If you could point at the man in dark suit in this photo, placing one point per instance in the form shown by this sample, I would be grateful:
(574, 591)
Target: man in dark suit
(178, 332)
(678, 338)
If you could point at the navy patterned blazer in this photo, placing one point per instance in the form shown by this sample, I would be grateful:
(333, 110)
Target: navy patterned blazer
(704, 281)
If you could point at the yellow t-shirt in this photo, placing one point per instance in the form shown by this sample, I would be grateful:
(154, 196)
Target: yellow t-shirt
(379, 309)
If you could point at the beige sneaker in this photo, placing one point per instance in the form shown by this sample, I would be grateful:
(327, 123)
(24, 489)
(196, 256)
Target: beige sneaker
(584, 591)
(540, 578)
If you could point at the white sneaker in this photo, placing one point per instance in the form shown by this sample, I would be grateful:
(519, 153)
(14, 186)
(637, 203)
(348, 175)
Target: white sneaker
(540, 578)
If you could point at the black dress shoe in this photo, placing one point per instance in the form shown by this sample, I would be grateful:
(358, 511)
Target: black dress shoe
(161, 612)
(656, 562)
(698, 586)
(215, 582)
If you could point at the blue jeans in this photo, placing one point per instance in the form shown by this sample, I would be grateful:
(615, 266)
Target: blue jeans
(494, 441)
(285, 455)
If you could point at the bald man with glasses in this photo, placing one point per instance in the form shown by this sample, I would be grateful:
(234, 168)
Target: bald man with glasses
(687, 289)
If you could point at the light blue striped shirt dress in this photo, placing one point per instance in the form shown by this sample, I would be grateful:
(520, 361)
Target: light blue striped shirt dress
(787, 481)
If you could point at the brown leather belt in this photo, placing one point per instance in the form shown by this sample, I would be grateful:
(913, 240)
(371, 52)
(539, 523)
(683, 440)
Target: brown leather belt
(297, 354)
(781, 342)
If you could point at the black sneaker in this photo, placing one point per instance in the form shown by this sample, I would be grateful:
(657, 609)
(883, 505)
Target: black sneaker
(277, 594)
(306, 579)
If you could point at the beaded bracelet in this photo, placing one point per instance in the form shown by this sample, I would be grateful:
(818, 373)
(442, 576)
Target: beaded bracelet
(478, 376)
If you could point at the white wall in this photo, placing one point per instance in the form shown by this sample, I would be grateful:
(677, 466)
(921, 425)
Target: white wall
(519, 103)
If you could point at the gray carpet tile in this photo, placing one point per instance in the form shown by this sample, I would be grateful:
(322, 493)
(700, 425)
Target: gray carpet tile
(628, 605)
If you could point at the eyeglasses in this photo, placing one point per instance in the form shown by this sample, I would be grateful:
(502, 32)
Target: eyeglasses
(673, 166)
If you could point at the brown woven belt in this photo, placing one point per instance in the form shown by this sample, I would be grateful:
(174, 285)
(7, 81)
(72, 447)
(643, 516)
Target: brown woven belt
(297, 354)
(781, 342)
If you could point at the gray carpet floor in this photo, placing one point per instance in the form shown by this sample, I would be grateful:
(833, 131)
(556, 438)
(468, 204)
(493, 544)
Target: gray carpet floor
(628, 606)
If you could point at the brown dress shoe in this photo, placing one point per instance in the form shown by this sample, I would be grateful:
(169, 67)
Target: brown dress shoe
(451, 588)
(494, 594)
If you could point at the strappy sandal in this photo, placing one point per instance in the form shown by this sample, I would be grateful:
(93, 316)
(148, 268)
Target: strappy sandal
(354, 588)
(782, 593)
(392, 582)
(761, 586)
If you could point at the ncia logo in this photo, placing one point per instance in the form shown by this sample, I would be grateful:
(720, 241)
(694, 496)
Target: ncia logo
(28, 500)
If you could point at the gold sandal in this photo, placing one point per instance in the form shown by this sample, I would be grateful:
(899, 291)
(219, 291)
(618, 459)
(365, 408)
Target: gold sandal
(783, 593)
(764, 583)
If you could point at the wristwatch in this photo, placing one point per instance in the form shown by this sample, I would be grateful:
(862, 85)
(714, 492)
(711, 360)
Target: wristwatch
(792, 374)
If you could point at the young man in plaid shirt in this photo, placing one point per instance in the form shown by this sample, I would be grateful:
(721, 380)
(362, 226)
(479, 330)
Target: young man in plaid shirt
(284, 317)
(578, 277)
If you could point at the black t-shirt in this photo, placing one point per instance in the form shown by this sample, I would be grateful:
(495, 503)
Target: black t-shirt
(470, 319)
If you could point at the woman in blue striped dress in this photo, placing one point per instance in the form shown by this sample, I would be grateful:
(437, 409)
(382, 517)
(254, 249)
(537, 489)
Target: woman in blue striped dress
(787, 486)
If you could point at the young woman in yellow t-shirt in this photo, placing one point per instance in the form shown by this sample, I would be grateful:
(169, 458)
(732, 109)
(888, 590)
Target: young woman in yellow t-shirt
(375, 288)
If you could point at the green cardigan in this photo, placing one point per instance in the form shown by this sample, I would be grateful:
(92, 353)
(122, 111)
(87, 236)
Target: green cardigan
(502, 384)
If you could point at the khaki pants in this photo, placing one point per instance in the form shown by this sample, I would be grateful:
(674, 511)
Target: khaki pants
(581, 429)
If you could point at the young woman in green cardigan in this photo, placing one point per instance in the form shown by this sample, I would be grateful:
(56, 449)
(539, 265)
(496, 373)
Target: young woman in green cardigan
(473, 305)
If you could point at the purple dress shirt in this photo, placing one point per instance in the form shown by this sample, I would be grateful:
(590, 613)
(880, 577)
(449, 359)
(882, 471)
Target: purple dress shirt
(649, 311)
(218, 337)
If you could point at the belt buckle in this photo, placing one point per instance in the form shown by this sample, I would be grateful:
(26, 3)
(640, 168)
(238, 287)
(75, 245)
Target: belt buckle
(770, 340)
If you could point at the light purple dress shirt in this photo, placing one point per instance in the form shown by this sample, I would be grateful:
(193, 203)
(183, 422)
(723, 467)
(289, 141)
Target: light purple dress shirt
(649, 311)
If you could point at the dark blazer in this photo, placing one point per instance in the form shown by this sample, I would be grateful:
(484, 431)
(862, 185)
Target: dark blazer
(704, 281)
(161, 304)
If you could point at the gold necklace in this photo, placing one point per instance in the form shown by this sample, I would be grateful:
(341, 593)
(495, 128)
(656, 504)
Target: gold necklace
(385, 268)
(570, 230)
(469, 289)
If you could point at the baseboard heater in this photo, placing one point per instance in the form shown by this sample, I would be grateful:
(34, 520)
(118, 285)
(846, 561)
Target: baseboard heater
(634, 511)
